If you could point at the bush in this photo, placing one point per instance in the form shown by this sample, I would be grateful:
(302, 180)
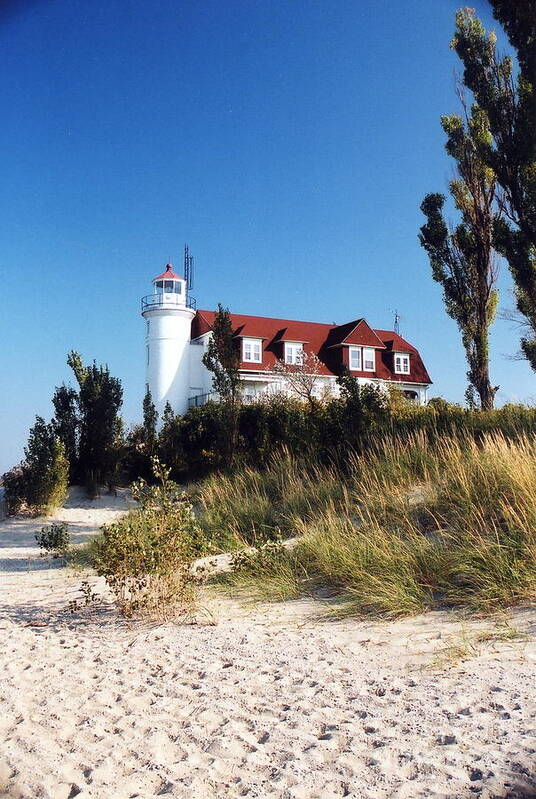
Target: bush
(145, 556)
(194, 445)
(54, 539)
(39, 483)
(14, 483)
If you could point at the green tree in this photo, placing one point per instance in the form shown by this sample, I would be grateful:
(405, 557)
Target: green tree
(222, 358)
(150, 418)
(462, 259)
(168, 415)
(41, 480)
(170, 443)
(66, 424)
(100, 397)
(509, 102)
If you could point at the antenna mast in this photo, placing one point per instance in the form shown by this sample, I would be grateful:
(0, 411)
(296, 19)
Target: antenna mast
(188, 268)
(397, 322)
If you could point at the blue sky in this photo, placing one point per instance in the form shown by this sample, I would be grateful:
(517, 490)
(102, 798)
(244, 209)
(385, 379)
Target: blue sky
(290, 142)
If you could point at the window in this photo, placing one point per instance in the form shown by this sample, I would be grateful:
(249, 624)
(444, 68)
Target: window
(168, 286)
(251, 350)
(159, 286)
(401, 363)
(148, 326)
(355, 359)
(249, 394)
(369, 360)
(293, 352)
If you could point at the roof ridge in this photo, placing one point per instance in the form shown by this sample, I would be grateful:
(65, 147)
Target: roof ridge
(292, 321)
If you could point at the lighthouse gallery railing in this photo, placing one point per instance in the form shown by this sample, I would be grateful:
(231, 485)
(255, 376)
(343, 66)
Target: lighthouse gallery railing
(166, 301)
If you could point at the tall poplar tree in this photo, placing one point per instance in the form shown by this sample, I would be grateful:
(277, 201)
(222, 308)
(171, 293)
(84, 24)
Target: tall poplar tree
(508, 99)
(462, 259)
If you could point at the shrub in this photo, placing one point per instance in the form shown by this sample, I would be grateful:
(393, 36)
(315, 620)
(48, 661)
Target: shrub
(324, 433)
(54, 539)
(14, 483)
(145, 556)
(40, 482)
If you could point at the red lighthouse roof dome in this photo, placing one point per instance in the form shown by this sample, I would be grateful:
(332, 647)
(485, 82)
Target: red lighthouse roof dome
(169, 274)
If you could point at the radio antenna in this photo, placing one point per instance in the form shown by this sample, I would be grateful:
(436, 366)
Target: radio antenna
(188, 268)
(397, 319)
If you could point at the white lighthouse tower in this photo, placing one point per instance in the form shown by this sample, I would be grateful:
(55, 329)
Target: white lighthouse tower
(168, 312)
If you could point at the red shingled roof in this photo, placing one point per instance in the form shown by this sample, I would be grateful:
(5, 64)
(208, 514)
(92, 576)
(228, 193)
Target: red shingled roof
(169, 274)
(327, 341)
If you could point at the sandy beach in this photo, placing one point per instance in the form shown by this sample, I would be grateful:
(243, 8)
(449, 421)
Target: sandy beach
(264, 701)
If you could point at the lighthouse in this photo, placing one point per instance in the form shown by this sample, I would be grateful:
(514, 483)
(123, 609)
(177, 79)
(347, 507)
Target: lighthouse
(168, 314)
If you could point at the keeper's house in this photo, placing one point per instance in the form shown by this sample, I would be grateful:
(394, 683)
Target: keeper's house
(177, 336)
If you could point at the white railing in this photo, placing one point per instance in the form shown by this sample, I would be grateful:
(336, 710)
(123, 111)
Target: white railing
(167, 301)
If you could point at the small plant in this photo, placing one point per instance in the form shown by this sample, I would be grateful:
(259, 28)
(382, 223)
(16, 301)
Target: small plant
(54, 539)
(88, 596)
(464, 647)
(257, 560)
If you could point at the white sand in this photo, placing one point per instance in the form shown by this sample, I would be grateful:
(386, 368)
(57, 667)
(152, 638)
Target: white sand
(267, 703)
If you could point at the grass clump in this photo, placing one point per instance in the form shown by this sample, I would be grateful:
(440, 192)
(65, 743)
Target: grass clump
(415, 525)
(268, 573)
(252, 507)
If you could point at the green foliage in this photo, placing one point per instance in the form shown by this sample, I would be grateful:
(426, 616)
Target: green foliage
(330, 433)
(55, 539)
(170, 440)
(40, 482)
(508, 103)
(141, 442)
(14, 482)
(361, 412)
(462, 259)
(145, 556)
(66, 425)
(264, 559)
(99, 399)
(222, 357)
(150, 418)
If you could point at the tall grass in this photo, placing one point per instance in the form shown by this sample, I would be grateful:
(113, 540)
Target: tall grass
(414, 525)
(251, 506)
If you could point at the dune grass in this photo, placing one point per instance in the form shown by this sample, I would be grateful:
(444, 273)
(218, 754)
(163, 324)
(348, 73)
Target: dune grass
(251, 506)
(414, 525)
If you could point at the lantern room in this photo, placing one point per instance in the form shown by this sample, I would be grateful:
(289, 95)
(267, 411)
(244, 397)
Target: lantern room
(170, 283)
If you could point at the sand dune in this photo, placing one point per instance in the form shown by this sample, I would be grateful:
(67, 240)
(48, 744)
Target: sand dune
(268, 702)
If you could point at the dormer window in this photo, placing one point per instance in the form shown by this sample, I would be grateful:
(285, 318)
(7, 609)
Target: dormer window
(251, 350)
(355, 359)
(293, 352)
(401, 363)
(369, 360)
